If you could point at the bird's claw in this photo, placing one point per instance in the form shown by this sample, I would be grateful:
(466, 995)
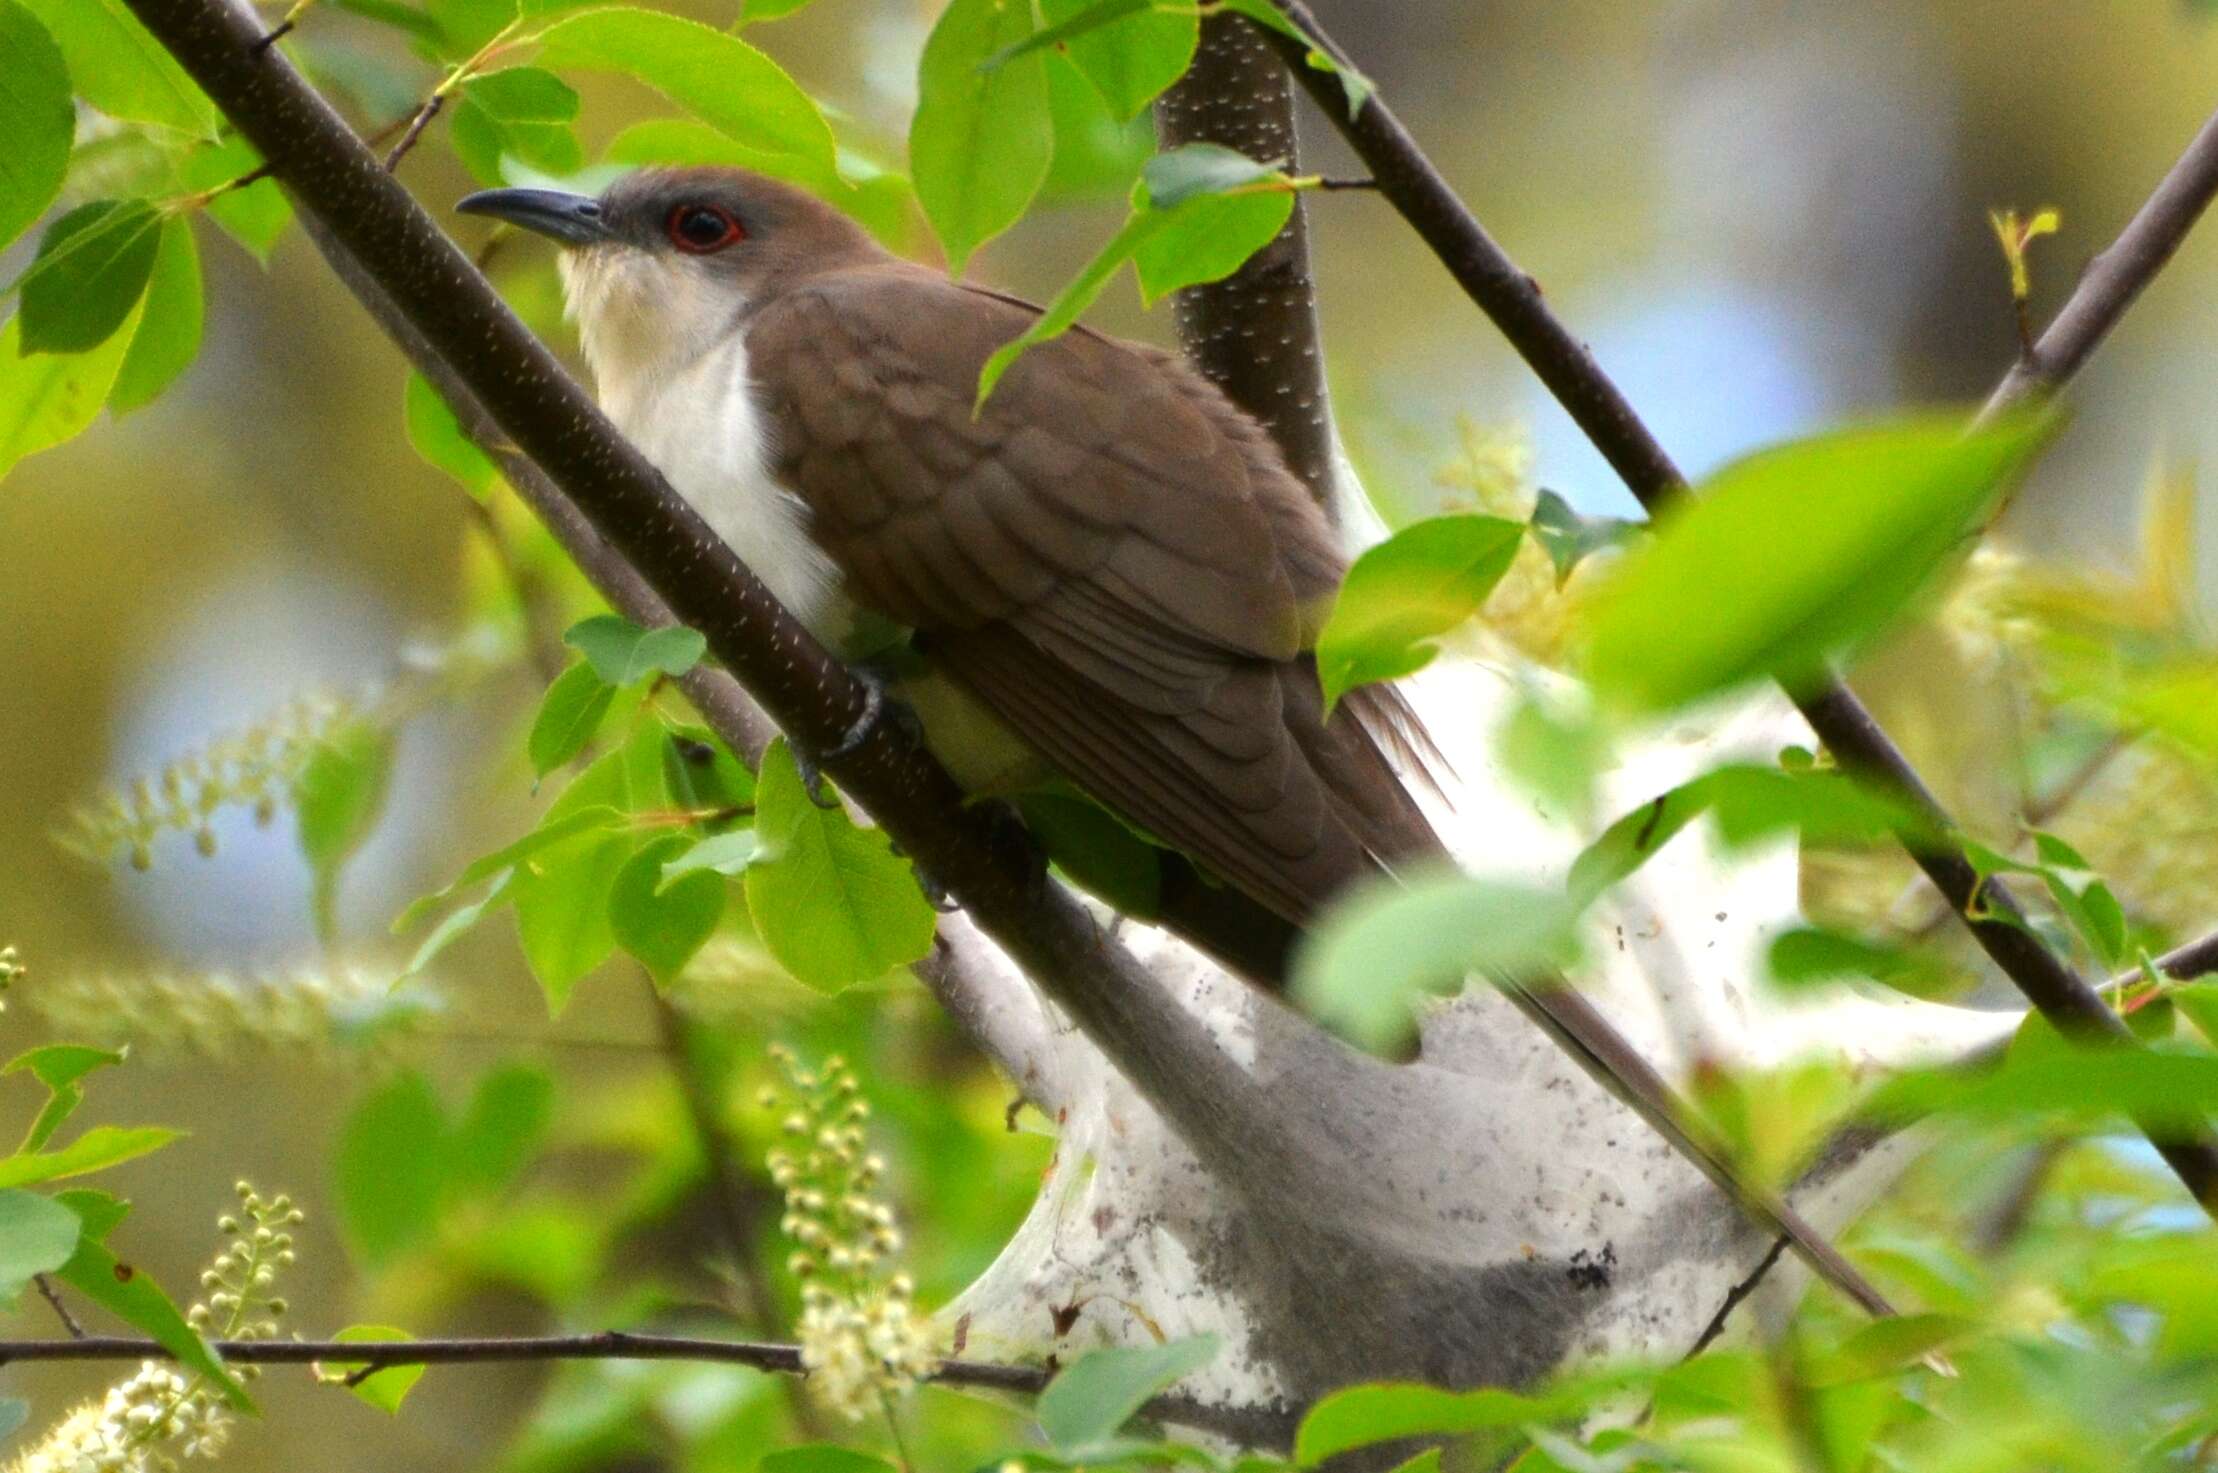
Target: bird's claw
(879, 708)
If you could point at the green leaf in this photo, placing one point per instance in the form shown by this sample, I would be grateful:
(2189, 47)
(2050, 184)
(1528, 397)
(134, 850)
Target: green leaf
(833, 903)
(1097, 850)
(662, 921)
(1067, 18)
(702, 774)
(467, 25)
(456, 925)
(501, 1130)
(822, 1457)
(2159, 1089)
(1071, 300)
(59, 1066)
(390, 1169)
(91, 270)
(384, 1389)
(1809, 955)
(1752, 804)
(569, 714)
(167, 338)
(1360, 1416)
(622, 652)
(120, 69)
(254, 216)
(1376, 953)
(1406, 592)
(981, 141)
(554, 829)
(1570, 537)
(722, 854)
(130, 1293)
(1129, 50)
(437, 435)
(37, 1236)
(1193, 170)
(336, 802)
(36, 119)
(1100, 1391)
(717, 77)
(96, 1150)
(47, 398)
(561, 894)
(100, 1213)
(1796, 556)
(754, 10)
(524, 94)
(1207, 239)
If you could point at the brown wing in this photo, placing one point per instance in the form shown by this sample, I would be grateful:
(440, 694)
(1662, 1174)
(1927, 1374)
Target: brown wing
(1108, 555)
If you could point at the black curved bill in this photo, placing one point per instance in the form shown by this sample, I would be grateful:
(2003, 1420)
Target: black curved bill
(574, 219)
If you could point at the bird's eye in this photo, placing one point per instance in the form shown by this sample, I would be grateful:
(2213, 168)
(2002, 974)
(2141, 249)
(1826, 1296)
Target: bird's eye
(702, 228)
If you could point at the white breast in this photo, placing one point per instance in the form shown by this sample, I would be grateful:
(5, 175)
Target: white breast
(690, 408)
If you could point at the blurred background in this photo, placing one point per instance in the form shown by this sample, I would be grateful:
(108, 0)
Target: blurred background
(1764, 218)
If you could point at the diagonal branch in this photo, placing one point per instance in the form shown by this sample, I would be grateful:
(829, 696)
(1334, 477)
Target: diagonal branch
(1250, 1429)
(1514, 302)
(406, 270)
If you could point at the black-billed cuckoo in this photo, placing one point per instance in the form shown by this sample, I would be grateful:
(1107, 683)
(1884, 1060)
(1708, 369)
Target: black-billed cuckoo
(1109, 572)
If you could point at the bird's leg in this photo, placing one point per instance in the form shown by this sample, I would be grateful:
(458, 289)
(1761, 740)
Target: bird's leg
(879, 708)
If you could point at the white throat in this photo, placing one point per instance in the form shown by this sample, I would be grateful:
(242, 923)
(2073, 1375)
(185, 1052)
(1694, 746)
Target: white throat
(669, 362)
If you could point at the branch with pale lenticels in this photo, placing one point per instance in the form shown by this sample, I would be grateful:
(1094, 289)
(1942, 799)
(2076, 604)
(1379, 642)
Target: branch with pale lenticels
(1513, 300)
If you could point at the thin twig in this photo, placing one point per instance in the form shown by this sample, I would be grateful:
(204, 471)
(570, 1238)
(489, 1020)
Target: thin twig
(416, 126)
(53, 1297)
(376, 1355)
(2116, 277)
(1513, 300)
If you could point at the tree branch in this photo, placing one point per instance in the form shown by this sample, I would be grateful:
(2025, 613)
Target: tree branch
(408, 273)
(1254, 334)
(376, 1355)
(1514, 302)
(2115, 278)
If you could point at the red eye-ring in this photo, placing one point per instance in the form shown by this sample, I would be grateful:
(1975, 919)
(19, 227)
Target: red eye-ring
(701, 229)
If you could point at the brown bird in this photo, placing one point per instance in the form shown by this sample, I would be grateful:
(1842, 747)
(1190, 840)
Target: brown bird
(1105, 574)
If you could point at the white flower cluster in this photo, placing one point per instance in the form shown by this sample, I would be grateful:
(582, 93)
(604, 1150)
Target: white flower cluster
(321, 1011)
(161, 1415)
(862, 1338)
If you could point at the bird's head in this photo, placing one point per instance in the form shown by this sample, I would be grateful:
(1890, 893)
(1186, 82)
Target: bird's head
(666, 263)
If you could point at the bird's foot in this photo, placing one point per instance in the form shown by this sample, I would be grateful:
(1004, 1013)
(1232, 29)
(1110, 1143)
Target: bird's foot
(1006, 835)
(879, 709)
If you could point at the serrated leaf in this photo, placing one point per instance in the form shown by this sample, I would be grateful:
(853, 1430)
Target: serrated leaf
(716, 76)
(254, 216)
(90, 272)
(1362, 1416)
(390, 1168)
(1796, 556)
(457, 924)
(662, 921)
(981, 141)
(384, 1389)
(48, 398)
(1128, 49)
(120, 69)
(1406, 592)
(99, 1212)
(832, 902)
(1100, 1391)
(622, 652)
(35, 117)
(37, 1236)
(1071, 300)
(1387, 945)
(437, 435)
(167, 337)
